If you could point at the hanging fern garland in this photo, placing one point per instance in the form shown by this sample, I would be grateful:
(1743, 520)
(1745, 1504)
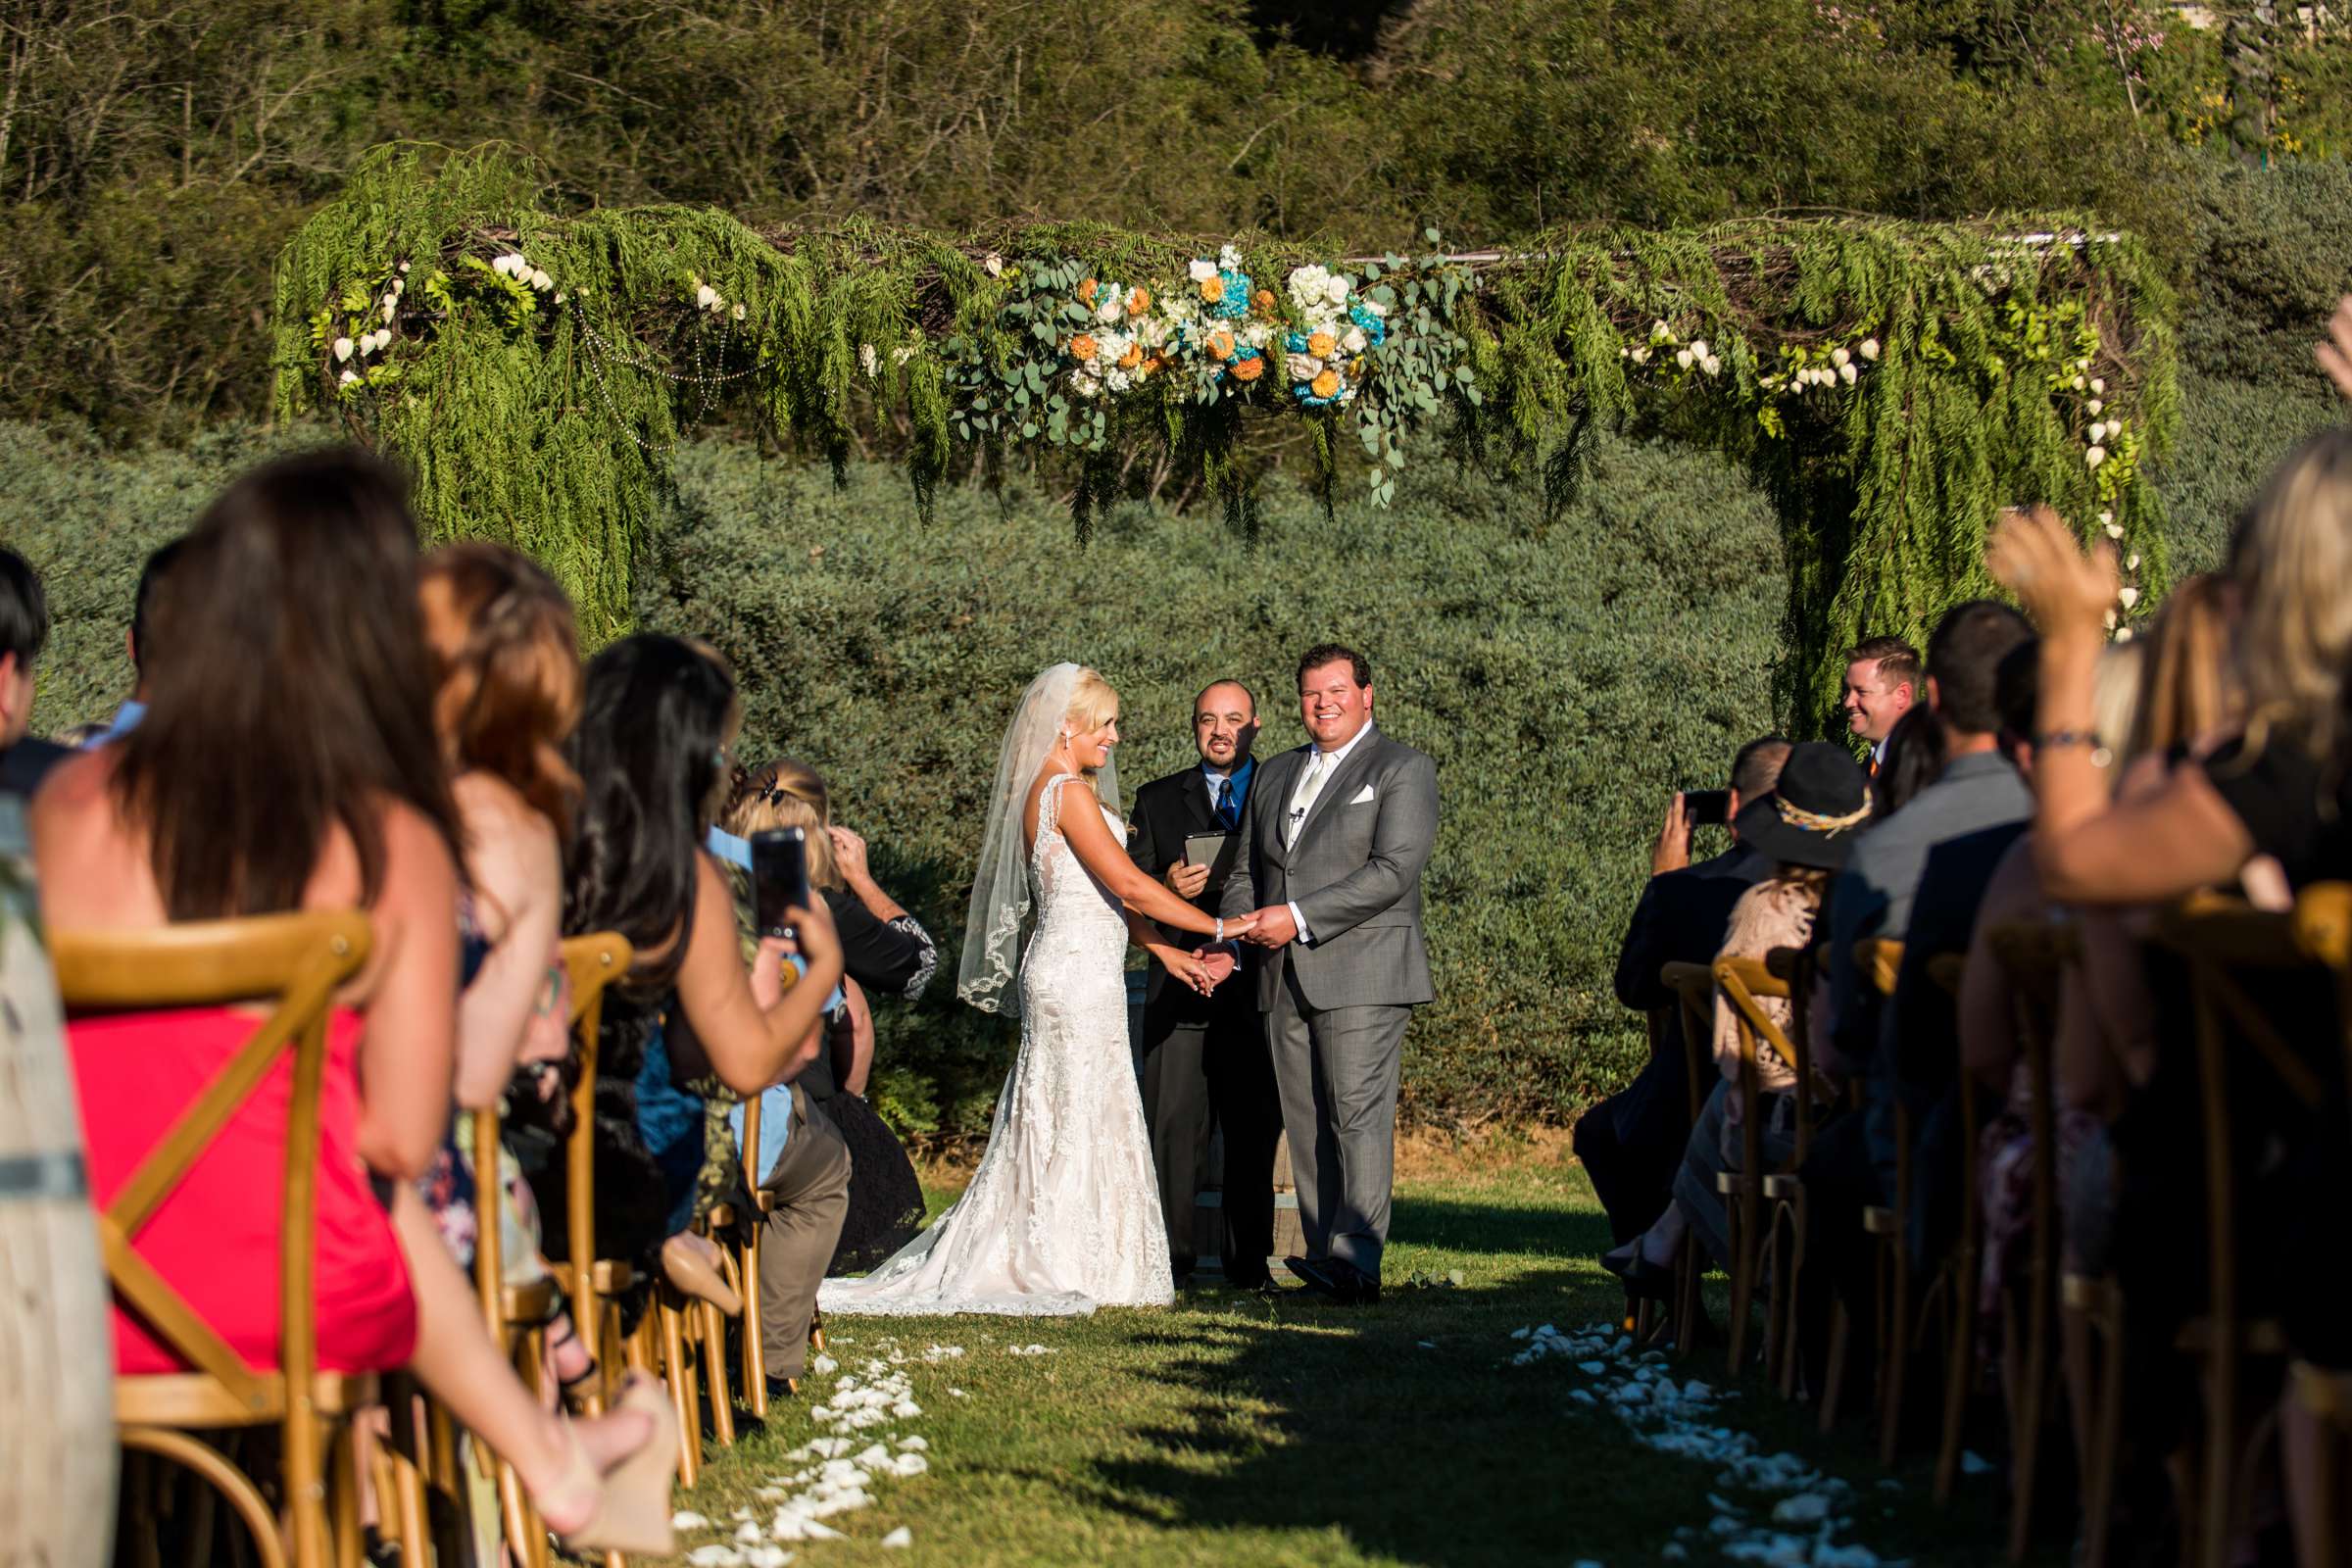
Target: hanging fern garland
(1891, 385)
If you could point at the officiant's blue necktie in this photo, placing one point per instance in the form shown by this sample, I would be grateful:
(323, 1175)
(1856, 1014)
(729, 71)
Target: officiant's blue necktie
(1227, 812)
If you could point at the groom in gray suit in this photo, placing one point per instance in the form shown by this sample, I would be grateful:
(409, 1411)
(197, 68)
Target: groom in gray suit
(1336, 834)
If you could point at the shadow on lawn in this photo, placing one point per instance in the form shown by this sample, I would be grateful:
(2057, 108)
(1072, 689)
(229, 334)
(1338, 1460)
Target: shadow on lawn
(1437, 1453)
(1460, 1226)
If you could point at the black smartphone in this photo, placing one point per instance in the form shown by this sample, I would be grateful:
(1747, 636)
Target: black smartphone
(1707, 808)
(779, 878)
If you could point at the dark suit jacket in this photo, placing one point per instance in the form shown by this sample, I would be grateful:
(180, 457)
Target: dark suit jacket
(1681, 919)
(1166, 810)
(24, 764)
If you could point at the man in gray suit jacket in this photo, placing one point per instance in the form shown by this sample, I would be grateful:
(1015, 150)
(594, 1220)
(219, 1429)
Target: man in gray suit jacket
(1335, 836)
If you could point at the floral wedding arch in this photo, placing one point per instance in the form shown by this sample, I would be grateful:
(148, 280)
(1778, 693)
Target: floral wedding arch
(1891, 385)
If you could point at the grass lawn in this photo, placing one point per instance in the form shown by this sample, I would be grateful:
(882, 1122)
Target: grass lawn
(1236, 1429)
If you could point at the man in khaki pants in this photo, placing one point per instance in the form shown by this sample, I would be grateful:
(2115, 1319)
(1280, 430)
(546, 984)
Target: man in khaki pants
(807, 1185)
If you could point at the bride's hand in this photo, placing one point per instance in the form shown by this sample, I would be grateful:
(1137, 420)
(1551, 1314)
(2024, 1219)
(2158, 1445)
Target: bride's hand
(1239, 927)
(1192, 972)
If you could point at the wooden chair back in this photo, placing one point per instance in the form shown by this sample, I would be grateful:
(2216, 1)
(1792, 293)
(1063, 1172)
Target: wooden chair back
(592, 963)
(1694, 985)
(1745, 983)
(293, 963)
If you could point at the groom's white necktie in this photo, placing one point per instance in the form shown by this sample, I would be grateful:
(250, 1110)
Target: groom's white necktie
(1302, 800)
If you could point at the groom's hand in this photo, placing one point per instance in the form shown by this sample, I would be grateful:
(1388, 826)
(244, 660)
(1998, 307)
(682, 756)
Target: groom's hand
(1275, 929)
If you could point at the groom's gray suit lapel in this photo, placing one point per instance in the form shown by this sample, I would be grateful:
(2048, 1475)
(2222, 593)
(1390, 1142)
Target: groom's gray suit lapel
(1359, 763)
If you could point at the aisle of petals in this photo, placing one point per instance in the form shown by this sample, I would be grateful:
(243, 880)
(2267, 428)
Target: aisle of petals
(1795, 1515)
(836, 1471)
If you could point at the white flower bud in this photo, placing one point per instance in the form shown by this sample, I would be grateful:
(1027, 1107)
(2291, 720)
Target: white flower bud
(2108, 620)
(2094, 405)
(868, 359)
(403, 267)
(1661, 332)
(2128, 597)
(1683, 358)
(2122, 634)
(1870, 348)
(705, 297)
(348, 378)
(2075, 383)
(2132, 563)
(994, 266)
(2106, 517)
(1839, 358)
(2099, 385)
(386, 312)
(2099, 432)
(559, 296)
(1698, 348)
(2115, 531)
(1846, 373)
(2094, 457)
(741, 312)
(343, 348)
(1641, 355)
(1302, 366)
(541, 281)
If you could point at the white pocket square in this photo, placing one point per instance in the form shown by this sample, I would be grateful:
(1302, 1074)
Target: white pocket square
(1361, 795)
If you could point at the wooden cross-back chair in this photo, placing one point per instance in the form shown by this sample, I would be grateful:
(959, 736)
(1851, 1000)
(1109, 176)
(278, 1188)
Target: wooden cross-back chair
(295, 964)
(2229, 946)
(2323, 930)
(1693, 986)
(755, 1355)
(1760, 1204)
(2035, 955)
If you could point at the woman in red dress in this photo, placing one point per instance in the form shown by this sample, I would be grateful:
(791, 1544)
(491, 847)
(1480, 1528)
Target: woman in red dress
(289, 761)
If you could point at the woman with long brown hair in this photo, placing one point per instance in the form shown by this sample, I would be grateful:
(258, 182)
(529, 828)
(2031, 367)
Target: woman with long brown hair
(289, 761)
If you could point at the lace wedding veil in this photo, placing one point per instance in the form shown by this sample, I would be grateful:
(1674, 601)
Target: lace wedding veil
(1000, 896)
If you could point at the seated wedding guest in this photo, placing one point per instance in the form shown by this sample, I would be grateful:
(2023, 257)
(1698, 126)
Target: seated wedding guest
(289, 761)
(650, 748)
(506, 672)
(2279, 789)
(884, 1205)
(24, 760)
(138, 642)
(1910, 759)
(1805, 828)
(1882, 685)
(883, 948)
(1632, 1142)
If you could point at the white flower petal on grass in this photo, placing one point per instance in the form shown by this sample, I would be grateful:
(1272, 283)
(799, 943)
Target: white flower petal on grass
(822, 1366)
(687, 1519)
(747, 1534)
(714, 1556)
(898, 1538)
(766, 1556)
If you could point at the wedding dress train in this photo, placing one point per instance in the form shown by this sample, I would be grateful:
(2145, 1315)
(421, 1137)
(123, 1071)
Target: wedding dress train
(1064, 1215)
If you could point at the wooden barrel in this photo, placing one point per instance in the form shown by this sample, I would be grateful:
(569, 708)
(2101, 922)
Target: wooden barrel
(57, 1458)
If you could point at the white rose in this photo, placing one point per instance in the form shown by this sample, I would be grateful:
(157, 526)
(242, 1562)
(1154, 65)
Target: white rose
(1698, 348)
(1847, 372)
(1870, 348)
(1375, 307)
(1111, 309)
(1354, 342)
(2094, 457)
(1203, 272)
(343, 348)
(2099, 385)
(705, 297)
(2127, 596)
(1683, 358)
(1335, 289)
(1302, 366)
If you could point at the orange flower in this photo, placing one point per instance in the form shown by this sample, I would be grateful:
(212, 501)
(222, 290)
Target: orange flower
(1138, 302)
(1326, 385)
(1320, 345)
(1220, 344)
(1150, 364)
(1264, 299)
(1082, 346)
(1250, 369)
(1131, 357)
(1086, 291)
(1212, 289)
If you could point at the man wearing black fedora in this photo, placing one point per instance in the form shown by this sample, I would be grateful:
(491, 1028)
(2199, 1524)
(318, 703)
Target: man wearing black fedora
(1805, 828)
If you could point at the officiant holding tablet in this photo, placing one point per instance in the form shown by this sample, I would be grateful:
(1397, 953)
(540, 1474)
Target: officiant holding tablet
(1205, 1059)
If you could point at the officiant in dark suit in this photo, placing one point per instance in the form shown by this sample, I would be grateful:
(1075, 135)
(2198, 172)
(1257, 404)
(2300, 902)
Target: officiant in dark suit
(1205, 1059)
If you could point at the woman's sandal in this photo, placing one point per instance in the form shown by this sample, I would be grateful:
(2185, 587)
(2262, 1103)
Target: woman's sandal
(631, 1507)
(561, 1332)
(692, 1263)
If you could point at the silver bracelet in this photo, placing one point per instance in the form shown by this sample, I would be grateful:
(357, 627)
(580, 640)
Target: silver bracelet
(1220, 928)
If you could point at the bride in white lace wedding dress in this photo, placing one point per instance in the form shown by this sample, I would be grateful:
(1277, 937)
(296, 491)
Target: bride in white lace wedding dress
(1062, 1215)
